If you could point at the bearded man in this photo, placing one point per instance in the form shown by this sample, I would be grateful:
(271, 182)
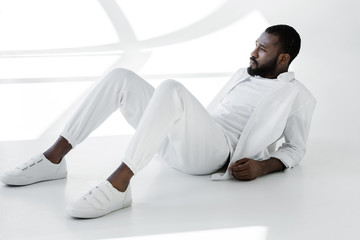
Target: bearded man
(257, 107)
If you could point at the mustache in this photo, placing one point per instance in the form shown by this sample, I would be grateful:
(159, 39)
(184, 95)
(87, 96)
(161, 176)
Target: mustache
(253, 59)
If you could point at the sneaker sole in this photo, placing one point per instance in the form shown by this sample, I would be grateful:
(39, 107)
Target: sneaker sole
(23, 181)
(75, 213)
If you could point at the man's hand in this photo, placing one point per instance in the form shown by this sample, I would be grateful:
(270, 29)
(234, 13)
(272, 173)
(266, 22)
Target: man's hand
(247, 169)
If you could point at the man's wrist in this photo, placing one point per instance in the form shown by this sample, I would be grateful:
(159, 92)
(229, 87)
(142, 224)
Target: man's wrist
(271, 165)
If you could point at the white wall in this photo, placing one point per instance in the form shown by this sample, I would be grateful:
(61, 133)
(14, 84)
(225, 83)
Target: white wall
(181, 39)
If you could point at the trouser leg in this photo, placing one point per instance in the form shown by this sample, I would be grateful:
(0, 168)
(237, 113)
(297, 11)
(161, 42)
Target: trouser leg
(120, 89)
(193, 142)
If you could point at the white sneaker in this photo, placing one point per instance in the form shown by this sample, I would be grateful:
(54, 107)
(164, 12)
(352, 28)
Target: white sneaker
(99, 201)
(37, 169)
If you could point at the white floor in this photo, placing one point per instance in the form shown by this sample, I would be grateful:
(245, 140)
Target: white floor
(316, 200)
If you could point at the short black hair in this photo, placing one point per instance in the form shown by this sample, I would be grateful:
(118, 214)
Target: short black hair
(289, 39)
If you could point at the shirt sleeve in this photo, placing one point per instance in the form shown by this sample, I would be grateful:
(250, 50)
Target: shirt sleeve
(296, 132)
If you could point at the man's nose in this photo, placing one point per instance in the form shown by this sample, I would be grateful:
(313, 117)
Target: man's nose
(255, 53)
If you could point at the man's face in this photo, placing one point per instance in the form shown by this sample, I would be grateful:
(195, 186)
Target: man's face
(264, 58)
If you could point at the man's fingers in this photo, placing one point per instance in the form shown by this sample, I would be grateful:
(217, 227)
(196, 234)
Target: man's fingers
(240, 168)
(244, 170)
(241, 161)
(243, 165)
(242, 176)
(238, 163)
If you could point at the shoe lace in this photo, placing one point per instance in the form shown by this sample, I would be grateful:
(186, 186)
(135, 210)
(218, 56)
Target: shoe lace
(30, 163)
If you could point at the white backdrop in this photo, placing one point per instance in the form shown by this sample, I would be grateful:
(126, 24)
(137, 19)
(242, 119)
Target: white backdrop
(52, 51)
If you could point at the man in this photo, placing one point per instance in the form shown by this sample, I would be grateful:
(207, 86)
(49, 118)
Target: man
(255, 108)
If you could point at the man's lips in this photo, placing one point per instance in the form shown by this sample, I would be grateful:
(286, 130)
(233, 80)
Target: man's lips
(253, 62)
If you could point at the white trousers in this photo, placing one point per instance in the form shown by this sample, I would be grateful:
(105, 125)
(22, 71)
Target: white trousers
(168, 120)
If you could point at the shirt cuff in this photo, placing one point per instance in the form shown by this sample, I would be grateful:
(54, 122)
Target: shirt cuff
(288, 162)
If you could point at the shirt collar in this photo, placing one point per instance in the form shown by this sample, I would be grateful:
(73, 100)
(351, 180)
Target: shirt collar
(283, 77)
(286, 77)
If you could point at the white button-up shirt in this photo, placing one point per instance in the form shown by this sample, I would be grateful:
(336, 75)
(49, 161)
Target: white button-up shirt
(283, 112)
(233, 112)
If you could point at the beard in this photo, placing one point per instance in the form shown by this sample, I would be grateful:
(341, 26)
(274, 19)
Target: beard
(264, 70)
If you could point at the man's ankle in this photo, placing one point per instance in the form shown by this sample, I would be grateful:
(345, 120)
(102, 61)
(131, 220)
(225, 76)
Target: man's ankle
(52, 159)
(58, 150)
(120, 179)
(118, 186)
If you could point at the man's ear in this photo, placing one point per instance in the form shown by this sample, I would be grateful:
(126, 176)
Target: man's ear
(284, 58)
